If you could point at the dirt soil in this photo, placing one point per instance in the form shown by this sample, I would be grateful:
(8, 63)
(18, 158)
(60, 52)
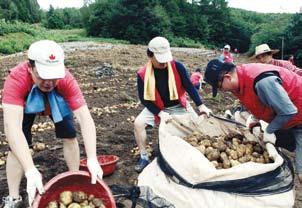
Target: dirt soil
(107, 76)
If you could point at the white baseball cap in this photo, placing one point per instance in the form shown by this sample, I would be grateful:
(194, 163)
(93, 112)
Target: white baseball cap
(227, 47)
(160, 46)
(49, 59)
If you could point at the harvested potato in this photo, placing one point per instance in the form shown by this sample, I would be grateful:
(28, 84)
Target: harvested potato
(66, 197)
(98, 203)
(213, 155)
(79, 196)
(61, 205)
(52, 204)
(74, 205)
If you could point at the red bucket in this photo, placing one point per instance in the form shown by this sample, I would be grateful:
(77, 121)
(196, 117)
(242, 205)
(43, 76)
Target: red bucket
(107, 162)
(74, 181)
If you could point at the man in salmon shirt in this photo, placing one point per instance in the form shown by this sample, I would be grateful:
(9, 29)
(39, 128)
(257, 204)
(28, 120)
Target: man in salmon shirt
(42, 85)
(226, 56)
(271, 93)
(162, 85)
(264, 54)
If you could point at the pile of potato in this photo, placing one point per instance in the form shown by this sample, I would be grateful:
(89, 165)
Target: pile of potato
(76, 199)
(228, 152)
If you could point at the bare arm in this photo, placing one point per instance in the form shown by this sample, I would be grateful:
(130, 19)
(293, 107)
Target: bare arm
(88, 130)
(13, 117)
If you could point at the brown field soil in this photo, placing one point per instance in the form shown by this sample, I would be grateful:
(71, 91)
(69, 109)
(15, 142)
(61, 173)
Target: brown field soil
(113, 102)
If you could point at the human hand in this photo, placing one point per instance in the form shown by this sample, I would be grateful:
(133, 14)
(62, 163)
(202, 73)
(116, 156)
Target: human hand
(269, 138)
(204, 109)
(164, 116)
(94, 169)
(34, 182)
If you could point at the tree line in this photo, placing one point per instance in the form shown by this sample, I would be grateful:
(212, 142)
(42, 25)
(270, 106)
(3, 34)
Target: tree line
(206, 22)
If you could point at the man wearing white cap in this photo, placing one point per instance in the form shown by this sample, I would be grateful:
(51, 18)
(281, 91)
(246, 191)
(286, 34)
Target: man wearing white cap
(42, 85)
(162, 86)
(264, 55)
(226, 56)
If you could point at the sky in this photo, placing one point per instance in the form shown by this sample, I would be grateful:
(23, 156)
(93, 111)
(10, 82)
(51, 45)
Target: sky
(44, 4)
(265, 6)
(274, 6)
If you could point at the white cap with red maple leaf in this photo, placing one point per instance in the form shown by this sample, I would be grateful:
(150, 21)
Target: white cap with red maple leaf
(49, 59)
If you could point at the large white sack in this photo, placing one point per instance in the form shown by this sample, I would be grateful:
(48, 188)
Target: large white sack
(184, 197)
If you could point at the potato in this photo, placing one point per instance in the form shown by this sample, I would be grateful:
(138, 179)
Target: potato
(79, 196)
(215, 163)
(98, 202)
(62, 205)
(233, 155)
(91, 197)
(66, 197)
(213, 155)
(84, 203)
(74, 205)
(201, 148)
(225, 160)
(234, 163)
(205, 143)
(52, 204)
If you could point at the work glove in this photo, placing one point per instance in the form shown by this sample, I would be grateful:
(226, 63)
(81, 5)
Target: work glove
(204, 109)
(164, 116)
(94, 169)
(34, 183)
(269, 138)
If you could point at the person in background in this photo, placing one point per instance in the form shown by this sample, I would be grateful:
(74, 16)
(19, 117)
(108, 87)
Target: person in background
(162, 85)
(291, 59)
(42, 85)
(196, 78)
(226, 55)
(263, 54)
(270, 93)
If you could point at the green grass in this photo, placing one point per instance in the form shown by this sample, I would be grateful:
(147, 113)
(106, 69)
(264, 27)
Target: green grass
(16, 37)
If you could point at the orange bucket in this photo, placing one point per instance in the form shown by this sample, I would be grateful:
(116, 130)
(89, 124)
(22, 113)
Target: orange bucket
(107, 162)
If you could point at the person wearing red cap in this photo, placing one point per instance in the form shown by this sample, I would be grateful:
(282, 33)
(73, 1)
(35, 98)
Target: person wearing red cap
(270, 93)
(42, 85)
(264, 54)
(162, 86)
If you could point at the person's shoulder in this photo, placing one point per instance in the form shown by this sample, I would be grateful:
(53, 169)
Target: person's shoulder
(179, 64)
(21, 70)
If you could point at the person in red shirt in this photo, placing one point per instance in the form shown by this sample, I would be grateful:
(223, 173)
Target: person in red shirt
(263, 54)
(226, 56)
(42, 85)
(196, 79)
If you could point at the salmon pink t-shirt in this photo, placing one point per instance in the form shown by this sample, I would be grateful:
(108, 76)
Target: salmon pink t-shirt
(195, 78)
(19, 83)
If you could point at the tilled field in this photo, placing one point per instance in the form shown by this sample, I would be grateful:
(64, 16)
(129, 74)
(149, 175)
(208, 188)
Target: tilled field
(107, 76)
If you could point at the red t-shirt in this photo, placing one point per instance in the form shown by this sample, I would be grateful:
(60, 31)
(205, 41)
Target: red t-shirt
(19, 83)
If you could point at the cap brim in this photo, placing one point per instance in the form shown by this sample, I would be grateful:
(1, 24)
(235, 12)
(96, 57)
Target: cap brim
(50, 72)
(163, 57)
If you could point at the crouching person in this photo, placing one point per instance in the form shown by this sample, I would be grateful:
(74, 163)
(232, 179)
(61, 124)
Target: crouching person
(162, 86)
(269, 92)
(42, 85)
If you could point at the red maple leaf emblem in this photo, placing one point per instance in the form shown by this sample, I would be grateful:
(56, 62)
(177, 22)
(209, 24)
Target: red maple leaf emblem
(52, 57)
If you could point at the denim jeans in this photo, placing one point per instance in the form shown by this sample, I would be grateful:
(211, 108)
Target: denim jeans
(298, 137)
